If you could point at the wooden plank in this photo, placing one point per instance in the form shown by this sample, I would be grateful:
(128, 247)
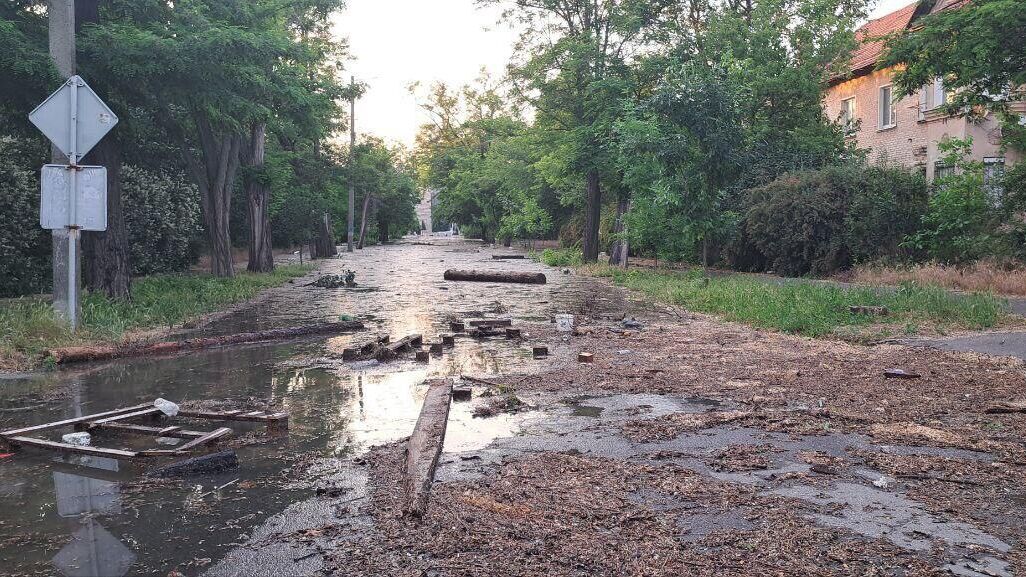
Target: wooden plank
(171, 432)
(74, 421)
(491, 323)
(127, 416)
(495, 276)
(68, 448)
(234, 416)
(425, 446)
(205, 439)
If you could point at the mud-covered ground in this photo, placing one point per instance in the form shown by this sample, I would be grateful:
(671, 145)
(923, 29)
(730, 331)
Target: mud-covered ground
(690, 446)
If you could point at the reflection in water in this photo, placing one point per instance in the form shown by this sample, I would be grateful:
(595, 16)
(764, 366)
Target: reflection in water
(92, 551)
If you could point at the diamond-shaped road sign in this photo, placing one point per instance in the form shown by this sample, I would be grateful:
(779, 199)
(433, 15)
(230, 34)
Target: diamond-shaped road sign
(90, 196)
(74, 102)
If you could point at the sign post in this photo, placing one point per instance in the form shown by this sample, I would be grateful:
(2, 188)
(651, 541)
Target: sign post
(73, 197)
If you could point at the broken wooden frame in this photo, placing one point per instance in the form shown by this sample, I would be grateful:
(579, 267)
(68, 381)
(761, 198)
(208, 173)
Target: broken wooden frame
(116, 422)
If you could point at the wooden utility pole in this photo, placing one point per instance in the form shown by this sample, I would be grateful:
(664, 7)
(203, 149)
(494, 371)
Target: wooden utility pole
(61, 16)
(352, 161)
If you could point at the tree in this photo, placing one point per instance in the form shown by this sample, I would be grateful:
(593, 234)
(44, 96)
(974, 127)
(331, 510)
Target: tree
(976, 48)
(575, 72)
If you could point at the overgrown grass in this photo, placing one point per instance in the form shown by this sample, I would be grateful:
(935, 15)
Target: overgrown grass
(29, 327)
(815, 309)
(561, 257)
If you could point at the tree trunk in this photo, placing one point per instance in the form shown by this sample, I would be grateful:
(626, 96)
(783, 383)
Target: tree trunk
(221, 151)
(382, 230)
(106, 256)
(592, 216)
(618, 252)
(363, 220)
(324, 244)
(261, 257)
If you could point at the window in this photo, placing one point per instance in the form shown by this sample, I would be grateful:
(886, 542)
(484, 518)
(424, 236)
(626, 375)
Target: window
(941, 170)
(932, 96)
(993, 177)
(888, 118)
(848, 114)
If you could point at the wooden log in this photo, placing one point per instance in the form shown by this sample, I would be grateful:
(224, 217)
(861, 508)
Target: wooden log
(484, 332)
(457, 327)
(585, 358)
(74, 421)
(424, 448)
(423, 357)
(364, 349)
(1007, 408)
(206, 464)
(509, 256)
(491, 323)
(254, 417)
(436, 348)
(449, 340)
(540, 352)
(512, 333)
(495, 276)
(106, 352)
(69, 448)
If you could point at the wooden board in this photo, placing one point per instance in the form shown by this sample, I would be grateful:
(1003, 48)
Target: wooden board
(205, 439)
(74, 421)
(127, 416)
(170, 432)
(69, 448)
(257, 417)
(425, 446)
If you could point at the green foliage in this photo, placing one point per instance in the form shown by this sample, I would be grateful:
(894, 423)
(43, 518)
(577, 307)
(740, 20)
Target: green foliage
(562, 257)
(976, 49)
(813, 309)
(24, 245)
(162, 217)
(962, 223)
(29, 327)
(819, 222)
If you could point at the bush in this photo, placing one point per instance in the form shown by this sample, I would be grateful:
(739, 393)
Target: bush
(162, 218)
(24, 245)
(826, 220)
(963, 223)
(562, 257)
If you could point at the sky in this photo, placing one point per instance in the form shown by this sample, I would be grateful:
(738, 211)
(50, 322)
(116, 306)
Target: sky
(397, 42)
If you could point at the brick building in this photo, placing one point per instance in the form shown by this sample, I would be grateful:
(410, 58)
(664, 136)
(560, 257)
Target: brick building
(906, 131)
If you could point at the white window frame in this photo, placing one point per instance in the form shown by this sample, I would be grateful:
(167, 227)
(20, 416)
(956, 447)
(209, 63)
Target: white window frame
(888, 107)
(849, 123)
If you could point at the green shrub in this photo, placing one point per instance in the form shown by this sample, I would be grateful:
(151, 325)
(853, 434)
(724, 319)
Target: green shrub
(24, 245)
(962, 223)
(818, 222)
(562, 257)
(162, 218)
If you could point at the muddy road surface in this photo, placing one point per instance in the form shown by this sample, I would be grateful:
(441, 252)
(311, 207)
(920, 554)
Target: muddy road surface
(690, 446)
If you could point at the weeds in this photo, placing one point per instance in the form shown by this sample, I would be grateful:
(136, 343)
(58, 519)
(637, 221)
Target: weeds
(814, 309)
(28, 326)
(561, 257)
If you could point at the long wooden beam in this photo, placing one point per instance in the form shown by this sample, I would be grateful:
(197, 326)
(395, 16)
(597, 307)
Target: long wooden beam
(127, 416)
(74, 421)
(205, 439)
(171, 432)
(69, 448)
(425, 447)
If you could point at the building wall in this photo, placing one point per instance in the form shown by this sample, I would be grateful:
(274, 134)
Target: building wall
(912, 142)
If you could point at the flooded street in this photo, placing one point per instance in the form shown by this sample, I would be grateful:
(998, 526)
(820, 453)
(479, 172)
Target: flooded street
(92, 516)
(687, 445)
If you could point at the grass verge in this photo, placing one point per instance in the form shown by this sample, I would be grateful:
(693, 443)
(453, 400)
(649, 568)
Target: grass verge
(29, 327)
(814, 309)
(984, 276)
(560, 257)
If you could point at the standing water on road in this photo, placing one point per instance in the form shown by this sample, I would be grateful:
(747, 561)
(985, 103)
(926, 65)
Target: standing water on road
(87, 516)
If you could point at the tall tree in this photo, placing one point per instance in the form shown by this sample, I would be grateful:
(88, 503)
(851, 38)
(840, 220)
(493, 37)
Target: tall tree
(574, 70)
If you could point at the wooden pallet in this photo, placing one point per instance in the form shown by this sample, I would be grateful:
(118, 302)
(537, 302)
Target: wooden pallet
(115, 422)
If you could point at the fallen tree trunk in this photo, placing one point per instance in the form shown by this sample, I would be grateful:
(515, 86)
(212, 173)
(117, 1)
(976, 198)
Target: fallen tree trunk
(69, 355)
(424, 448)
(495, 276)
(509, 257)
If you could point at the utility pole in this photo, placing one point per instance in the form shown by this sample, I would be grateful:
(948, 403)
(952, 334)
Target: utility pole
(66, 253)
(352, 161)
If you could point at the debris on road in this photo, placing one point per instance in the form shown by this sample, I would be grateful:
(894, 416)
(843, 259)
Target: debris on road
(204, 465)
(67, 355)
(901, 374)
(508, 257)
(364, 350)
(334, 281)
(495, 276)
(1007, 408)
(585, 358)
(425, 446)
(540, 352)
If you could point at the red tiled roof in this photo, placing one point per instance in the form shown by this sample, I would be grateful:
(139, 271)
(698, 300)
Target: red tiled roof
(870, 37)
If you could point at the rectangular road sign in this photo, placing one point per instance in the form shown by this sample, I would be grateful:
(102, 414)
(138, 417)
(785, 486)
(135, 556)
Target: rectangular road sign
(90, 197)
(74, 118)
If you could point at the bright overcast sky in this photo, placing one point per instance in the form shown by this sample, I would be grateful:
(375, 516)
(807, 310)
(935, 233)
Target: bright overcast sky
(396, 42)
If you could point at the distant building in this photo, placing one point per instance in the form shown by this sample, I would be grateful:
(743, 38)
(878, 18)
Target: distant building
(907, 130)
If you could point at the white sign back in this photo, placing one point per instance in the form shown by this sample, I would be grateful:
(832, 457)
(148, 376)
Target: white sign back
(74, 100)
(90, 198)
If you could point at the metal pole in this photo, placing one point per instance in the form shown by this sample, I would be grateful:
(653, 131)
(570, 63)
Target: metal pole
(74, 235)
(352, 161)
(61, 15)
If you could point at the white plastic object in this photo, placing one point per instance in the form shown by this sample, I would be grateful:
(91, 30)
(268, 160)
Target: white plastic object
(167, 407)
(80, 439)
(565, 323)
